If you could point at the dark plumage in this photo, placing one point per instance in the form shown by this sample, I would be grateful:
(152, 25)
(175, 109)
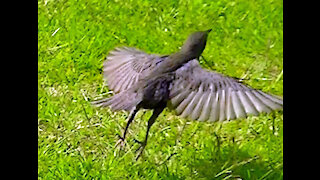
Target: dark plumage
(148, 81)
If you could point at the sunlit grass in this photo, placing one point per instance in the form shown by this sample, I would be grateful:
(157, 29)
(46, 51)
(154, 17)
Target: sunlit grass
(76, 140)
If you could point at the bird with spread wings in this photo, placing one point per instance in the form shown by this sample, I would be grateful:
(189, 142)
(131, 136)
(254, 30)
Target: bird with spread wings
(177, 81)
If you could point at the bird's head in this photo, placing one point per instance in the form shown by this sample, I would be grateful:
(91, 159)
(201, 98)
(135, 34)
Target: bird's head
(195, 43)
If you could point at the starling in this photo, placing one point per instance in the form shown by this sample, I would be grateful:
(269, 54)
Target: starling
(177, 81)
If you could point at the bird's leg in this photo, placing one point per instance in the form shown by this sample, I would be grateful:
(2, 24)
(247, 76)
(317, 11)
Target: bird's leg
(130, 119)
(152, 119)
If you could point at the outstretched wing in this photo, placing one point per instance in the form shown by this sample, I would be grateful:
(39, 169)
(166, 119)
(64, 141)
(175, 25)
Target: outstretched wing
(125, 66)
(202, 95)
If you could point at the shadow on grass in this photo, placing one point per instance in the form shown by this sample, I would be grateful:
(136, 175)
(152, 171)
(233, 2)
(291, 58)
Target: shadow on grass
(228, 163)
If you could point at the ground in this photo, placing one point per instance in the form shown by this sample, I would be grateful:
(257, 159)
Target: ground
(76, 140)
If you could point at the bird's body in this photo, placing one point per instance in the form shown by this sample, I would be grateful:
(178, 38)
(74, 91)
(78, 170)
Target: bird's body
(177, 81)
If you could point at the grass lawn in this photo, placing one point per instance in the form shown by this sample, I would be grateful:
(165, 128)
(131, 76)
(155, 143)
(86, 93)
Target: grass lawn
(76, 140)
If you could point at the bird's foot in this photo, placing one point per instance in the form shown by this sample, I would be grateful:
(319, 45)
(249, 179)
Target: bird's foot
(140, 150)
(137, 141)
(121, 142)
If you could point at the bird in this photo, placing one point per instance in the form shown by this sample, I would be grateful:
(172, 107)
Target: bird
(142, 80)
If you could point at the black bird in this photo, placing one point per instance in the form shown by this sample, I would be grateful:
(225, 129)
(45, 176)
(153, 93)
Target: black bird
(141, 80)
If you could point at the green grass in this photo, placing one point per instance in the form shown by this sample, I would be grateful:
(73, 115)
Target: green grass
(76, 140)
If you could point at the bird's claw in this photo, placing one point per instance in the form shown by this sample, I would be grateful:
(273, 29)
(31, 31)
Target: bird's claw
(140, 149)
(121, 142)
(137, 141)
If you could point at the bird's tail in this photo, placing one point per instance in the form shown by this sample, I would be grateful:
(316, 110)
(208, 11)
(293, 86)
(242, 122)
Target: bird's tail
(122, 101)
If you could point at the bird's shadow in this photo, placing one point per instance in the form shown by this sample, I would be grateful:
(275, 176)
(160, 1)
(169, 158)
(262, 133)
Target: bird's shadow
(226, 164)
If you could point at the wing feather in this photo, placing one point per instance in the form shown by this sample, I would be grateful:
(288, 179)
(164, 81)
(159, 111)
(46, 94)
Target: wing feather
(181, 107)
(222, 105)
(247, 104)
(260, 106)
(203, 95)
(215, 107)
(198, 109)
(208, 98)
(125, 66)
(237, 105)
